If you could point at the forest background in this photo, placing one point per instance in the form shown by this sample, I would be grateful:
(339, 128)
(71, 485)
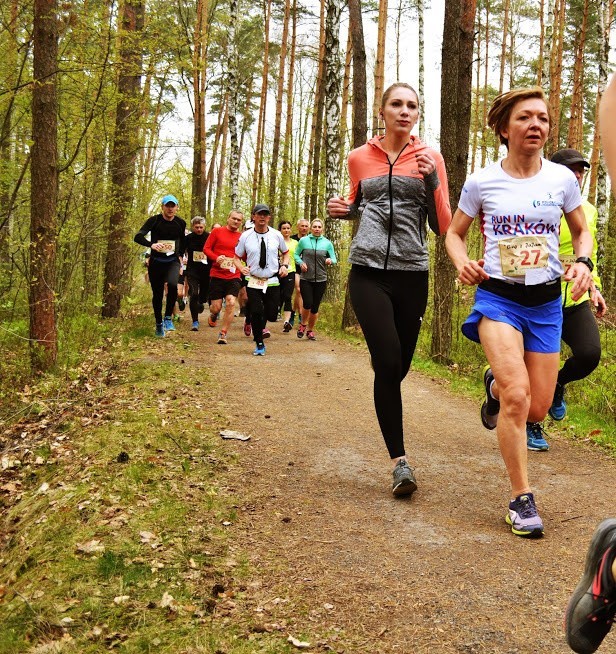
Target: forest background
(96, 95)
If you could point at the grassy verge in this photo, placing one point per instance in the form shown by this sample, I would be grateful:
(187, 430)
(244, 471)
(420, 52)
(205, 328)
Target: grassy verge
(591, 414)
(116, 512)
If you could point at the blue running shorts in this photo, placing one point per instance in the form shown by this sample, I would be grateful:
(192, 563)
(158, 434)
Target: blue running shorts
(540, 326)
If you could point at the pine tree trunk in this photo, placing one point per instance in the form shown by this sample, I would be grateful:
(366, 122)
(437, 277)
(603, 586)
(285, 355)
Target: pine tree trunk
(317, 123)
(288, 134)
(44, 187)
(541, 56)
(257, 179)
(346, 93)
(379, 66)
(199, 70)
(421, 47)
(575, 134)
(360, 119)
(234, 153)
(124, 156)
(476, 124)
(332, 136)
(273, 172)
(484, 118)
(456, 86)
(556, 67)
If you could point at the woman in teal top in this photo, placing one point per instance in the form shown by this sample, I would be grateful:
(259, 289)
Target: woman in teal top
(313, 255)
(287, 284)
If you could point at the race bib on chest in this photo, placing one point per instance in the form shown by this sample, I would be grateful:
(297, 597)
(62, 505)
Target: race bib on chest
(520, 254)
(199, 256)
(567, 260)
(259, 283)
(168, 247)
(227, 264)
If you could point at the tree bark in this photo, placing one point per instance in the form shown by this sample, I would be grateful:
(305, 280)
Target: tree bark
(332, 136)
(379, 66)
(360, 119)
(44, 188)
(232, 81)
(575, 134)
(556, 67)
(273, 173)
(257, 179)
(124, 156)
(456, 85)
(199, 69)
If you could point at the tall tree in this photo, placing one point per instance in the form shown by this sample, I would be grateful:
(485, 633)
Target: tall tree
(556, 68)
(199, 68)
(279, 97)
(332, 133)
(232, 82)
(257, 179)
(575, 134)
(44, 187)
(379, 65)
(124, 155)
(360, 116)
(456, 85)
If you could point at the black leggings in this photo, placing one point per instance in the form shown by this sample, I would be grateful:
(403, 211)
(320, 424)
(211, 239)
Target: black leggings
(159, 274)
(263, 307)
(581, 334)
(312, 294)
(389, 305)
(287, 286)
(198, 289)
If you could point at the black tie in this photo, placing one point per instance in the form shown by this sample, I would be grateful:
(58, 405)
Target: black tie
(263, 256)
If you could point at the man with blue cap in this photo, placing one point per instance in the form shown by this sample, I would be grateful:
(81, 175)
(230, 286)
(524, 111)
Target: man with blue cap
(167, 243)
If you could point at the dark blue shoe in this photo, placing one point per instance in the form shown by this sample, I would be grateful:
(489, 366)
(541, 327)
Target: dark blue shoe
(195, 326)
(259, 350)
(535, 437)
(558, 410)
(160, 330)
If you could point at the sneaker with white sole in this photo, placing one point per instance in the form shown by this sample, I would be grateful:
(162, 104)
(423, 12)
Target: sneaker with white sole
(523, 517)
(535, 437)
(259, 350)
(195, 326)
(490, 406)
(222, 338)
(404, 481)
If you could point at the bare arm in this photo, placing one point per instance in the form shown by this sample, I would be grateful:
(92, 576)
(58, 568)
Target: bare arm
(582, 246)
(470, 272)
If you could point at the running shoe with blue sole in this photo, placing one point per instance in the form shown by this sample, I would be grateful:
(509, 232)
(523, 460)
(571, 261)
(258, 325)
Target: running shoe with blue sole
(523, 517)
(592, 607)
(168, 324)
(558, 410)
(535, 437)
(259, 350)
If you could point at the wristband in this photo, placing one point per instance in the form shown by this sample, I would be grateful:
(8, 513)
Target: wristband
(587, 261)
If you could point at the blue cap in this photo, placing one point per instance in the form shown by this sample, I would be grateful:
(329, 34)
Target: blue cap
(170, 198)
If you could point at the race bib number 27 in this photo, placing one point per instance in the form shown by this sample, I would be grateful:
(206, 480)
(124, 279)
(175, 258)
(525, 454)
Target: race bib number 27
(521, 254)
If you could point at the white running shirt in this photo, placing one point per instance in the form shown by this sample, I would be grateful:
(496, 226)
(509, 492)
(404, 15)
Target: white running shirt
(520, 219)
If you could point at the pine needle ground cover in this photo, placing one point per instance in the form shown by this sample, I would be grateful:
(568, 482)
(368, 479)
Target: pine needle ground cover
(115, 508)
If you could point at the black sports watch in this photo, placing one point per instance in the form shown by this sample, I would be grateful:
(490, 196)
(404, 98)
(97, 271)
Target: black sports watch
(587, 261)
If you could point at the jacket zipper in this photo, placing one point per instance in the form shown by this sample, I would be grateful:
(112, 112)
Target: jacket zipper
(391, 203)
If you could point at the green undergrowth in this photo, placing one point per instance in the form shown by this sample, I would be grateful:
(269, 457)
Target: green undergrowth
(591, 403)
(115, 518)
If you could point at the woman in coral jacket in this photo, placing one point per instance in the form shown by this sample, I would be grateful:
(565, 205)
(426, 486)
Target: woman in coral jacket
(398, 188)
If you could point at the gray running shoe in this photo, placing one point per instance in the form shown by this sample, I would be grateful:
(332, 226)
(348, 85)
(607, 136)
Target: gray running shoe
(404, 480)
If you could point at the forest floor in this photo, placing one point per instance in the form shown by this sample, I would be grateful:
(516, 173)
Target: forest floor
(319, 556)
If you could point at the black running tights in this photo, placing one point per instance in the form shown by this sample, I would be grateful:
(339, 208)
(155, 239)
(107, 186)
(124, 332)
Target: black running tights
(389, 305)
(263, 307)
(198, 290)
(159, 274)
(312, 294)
(581, 334)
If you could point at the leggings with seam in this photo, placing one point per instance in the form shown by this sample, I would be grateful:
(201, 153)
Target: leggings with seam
(581, 334)
(389, 305)
(159, 274)
(312, 294)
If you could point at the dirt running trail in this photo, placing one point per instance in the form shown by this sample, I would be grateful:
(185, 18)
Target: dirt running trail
(334, 557)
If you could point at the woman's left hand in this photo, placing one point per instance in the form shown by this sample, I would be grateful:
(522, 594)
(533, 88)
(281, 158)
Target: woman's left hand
(579, 273)
(425, 164)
